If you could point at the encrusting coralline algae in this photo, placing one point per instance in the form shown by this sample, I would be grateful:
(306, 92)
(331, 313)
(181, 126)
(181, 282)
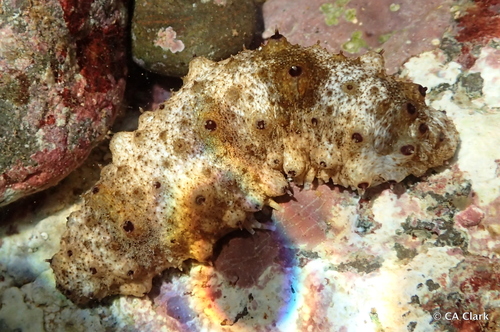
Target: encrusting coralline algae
(227, 143)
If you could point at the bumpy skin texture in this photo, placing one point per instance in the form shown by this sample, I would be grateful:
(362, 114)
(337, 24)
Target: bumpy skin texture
(229, 141)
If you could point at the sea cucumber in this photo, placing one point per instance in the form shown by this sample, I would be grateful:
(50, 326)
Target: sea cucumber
(230, 140)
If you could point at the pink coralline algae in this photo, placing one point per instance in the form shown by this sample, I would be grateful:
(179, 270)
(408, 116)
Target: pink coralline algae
(62, 70)
(167, 40)
(471, 216)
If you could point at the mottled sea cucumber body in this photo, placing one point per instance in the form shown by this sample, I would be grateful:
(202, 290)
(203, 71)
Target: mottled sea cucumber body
(228, 142)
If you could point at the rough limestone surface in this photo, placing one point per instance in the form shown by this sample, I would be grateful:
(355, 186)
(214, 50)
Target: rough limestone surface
(167, 35)
(228, 142)
(62, 77)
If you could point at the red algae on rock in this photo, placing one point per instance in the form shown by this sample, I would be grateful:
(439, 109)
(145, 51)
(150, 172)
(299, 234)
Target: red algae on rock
(62, 70)
(460, 301)
(477, 24)
(480, 23)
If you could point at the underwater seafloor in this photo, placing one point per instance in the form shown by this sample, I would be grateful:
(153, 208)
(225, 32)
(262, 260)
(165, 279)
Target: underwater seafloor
(422, 255)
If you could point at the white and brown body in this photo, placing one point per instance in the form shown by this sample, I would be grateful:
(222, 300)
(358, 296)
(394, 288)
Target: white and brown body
(227, 143)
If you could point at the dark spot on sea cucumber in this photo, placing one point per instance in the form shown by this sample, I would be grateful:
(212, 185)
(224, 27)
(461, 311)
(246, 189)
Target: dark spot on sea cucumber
(363, 185)
(93, 270)
(350, 87)
(422, 90)
(161, 106)
(157, 184)
(163, 135)
(411, 108)
(423, 128)
(130, 273)
(128, 226)
(95, 190)
(200, 199)
(292, 173)
(408, 150)
(314, 121)
(210, 125)
(276, 161)
(261, 124)
(295, 71)
(70, 253)
(322, 164)
(357, 137)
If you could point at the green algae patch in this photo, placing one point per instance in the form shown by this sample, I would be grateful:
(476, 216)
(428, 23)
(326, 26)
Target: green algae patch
(335, 11)
(356, 42)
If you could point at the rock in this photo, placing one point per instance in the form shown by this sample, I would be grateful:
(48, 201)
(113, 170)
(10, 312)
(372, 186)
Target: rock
(12, 304)
(62, 74)
(244, 257)
(166, 35)
(401, 28)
